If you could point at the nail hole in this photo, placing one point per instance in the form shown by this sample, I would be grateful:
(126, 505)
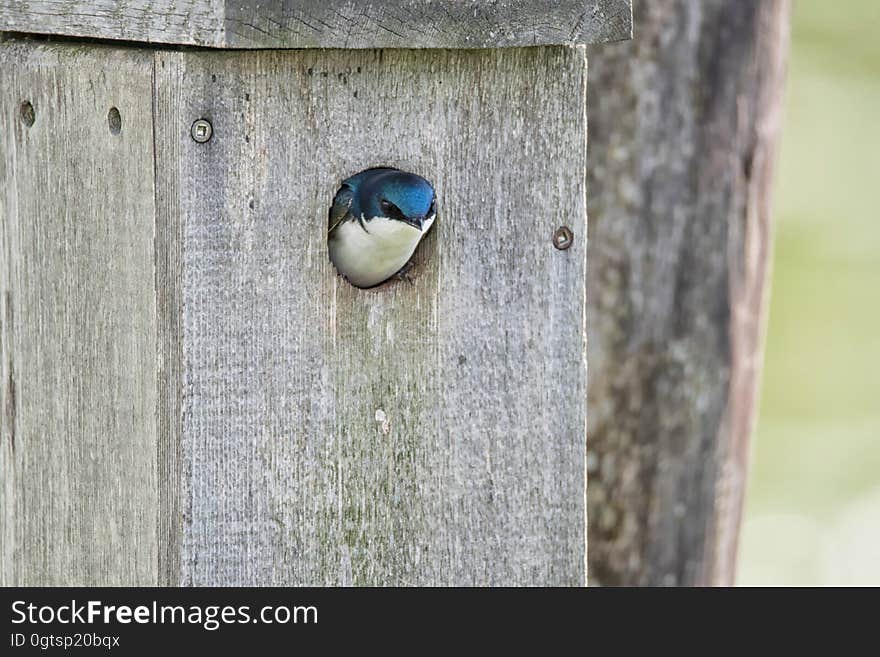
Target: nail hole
(27, 113)
(563, 238)
(114, 120)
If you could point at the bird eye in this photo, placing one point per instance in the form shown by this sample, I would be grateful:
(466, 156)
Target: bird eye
(391, 210)
(433, 209)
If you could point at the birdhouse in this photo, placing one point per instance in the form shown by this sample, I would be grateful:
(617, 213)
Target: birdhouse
(192, 394)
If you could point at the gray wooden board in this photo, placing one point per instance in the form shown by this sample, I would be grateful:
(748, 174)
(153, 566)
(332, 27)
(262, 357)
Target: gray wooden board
(328, 23)
(192, 22)
(425, 433)
(78, 447)
(169, 290)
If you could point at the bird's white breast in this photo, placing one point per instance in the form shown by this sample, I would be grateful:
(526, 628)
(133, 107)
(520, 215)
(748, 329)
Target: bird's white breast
(367, 258)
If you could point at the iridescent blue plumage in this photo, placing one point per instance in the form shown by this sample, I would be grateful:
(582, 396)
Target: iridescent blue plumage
(409, 193)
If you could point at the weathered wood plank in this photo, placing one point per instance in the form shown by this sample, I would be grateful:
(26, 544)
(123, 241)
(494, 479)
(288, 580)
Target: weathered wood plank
(190, 22)
(424, 23)
(328, 23)
(431, 433)
(683, 137)
(169, 302)
(78, 450)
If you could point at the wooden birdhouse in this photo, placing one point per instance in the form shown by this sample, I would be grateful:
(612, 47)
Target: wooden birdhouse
(191, 394)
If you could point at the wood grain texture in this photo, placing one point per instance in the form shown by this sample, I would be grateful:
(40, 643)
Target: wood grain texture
(78, 446)
(683, 137)
(190, 22)
(328, 23)
(424, 23)
(168, 144)
(431, 433)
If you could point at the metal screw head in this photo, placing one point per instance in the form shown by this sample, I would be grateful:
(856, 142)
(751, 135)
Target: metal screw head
(201, 131)
(563, 238)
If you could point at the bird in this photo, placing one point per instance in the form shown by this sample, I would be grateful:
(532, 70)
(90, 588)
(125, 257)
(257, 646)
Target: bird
(377, 220)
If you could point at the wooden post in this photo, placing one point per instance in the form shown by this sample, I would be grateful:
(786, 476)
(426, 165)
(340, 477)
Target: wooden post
(683, 139)
(192, 396)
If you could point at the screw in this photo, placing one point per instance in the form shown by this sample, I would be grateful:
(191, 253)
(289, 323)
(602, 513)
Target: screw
(201, 131)
(562, 238)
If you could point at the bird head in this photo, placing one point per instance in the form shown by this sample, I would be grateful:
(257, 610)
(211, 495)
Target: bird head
(395, 195)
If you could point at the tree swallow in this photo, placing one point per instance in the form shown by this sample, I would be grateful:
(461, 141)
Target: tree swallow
(377, 220)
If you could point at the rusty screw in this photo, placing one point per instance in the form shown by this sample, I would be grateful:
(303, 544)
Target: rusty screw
(562, 238)
(201, 131)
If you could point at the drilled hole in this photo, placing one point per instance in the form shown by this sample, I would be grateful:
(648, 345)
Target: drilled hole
(27, 113)
(114, 120)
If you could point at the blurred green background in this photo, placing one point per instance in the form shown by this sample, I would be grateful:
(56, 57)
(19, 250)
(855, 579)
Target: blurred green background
(813, 505)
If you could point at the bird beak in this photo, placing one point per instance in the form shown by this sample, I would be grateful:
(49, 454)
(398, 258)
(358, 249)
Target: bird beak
(416, 222)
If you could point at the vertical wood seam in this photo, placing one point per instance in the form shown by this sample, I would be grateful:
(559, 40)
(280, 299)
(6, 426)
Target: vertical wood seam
(167, 249)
